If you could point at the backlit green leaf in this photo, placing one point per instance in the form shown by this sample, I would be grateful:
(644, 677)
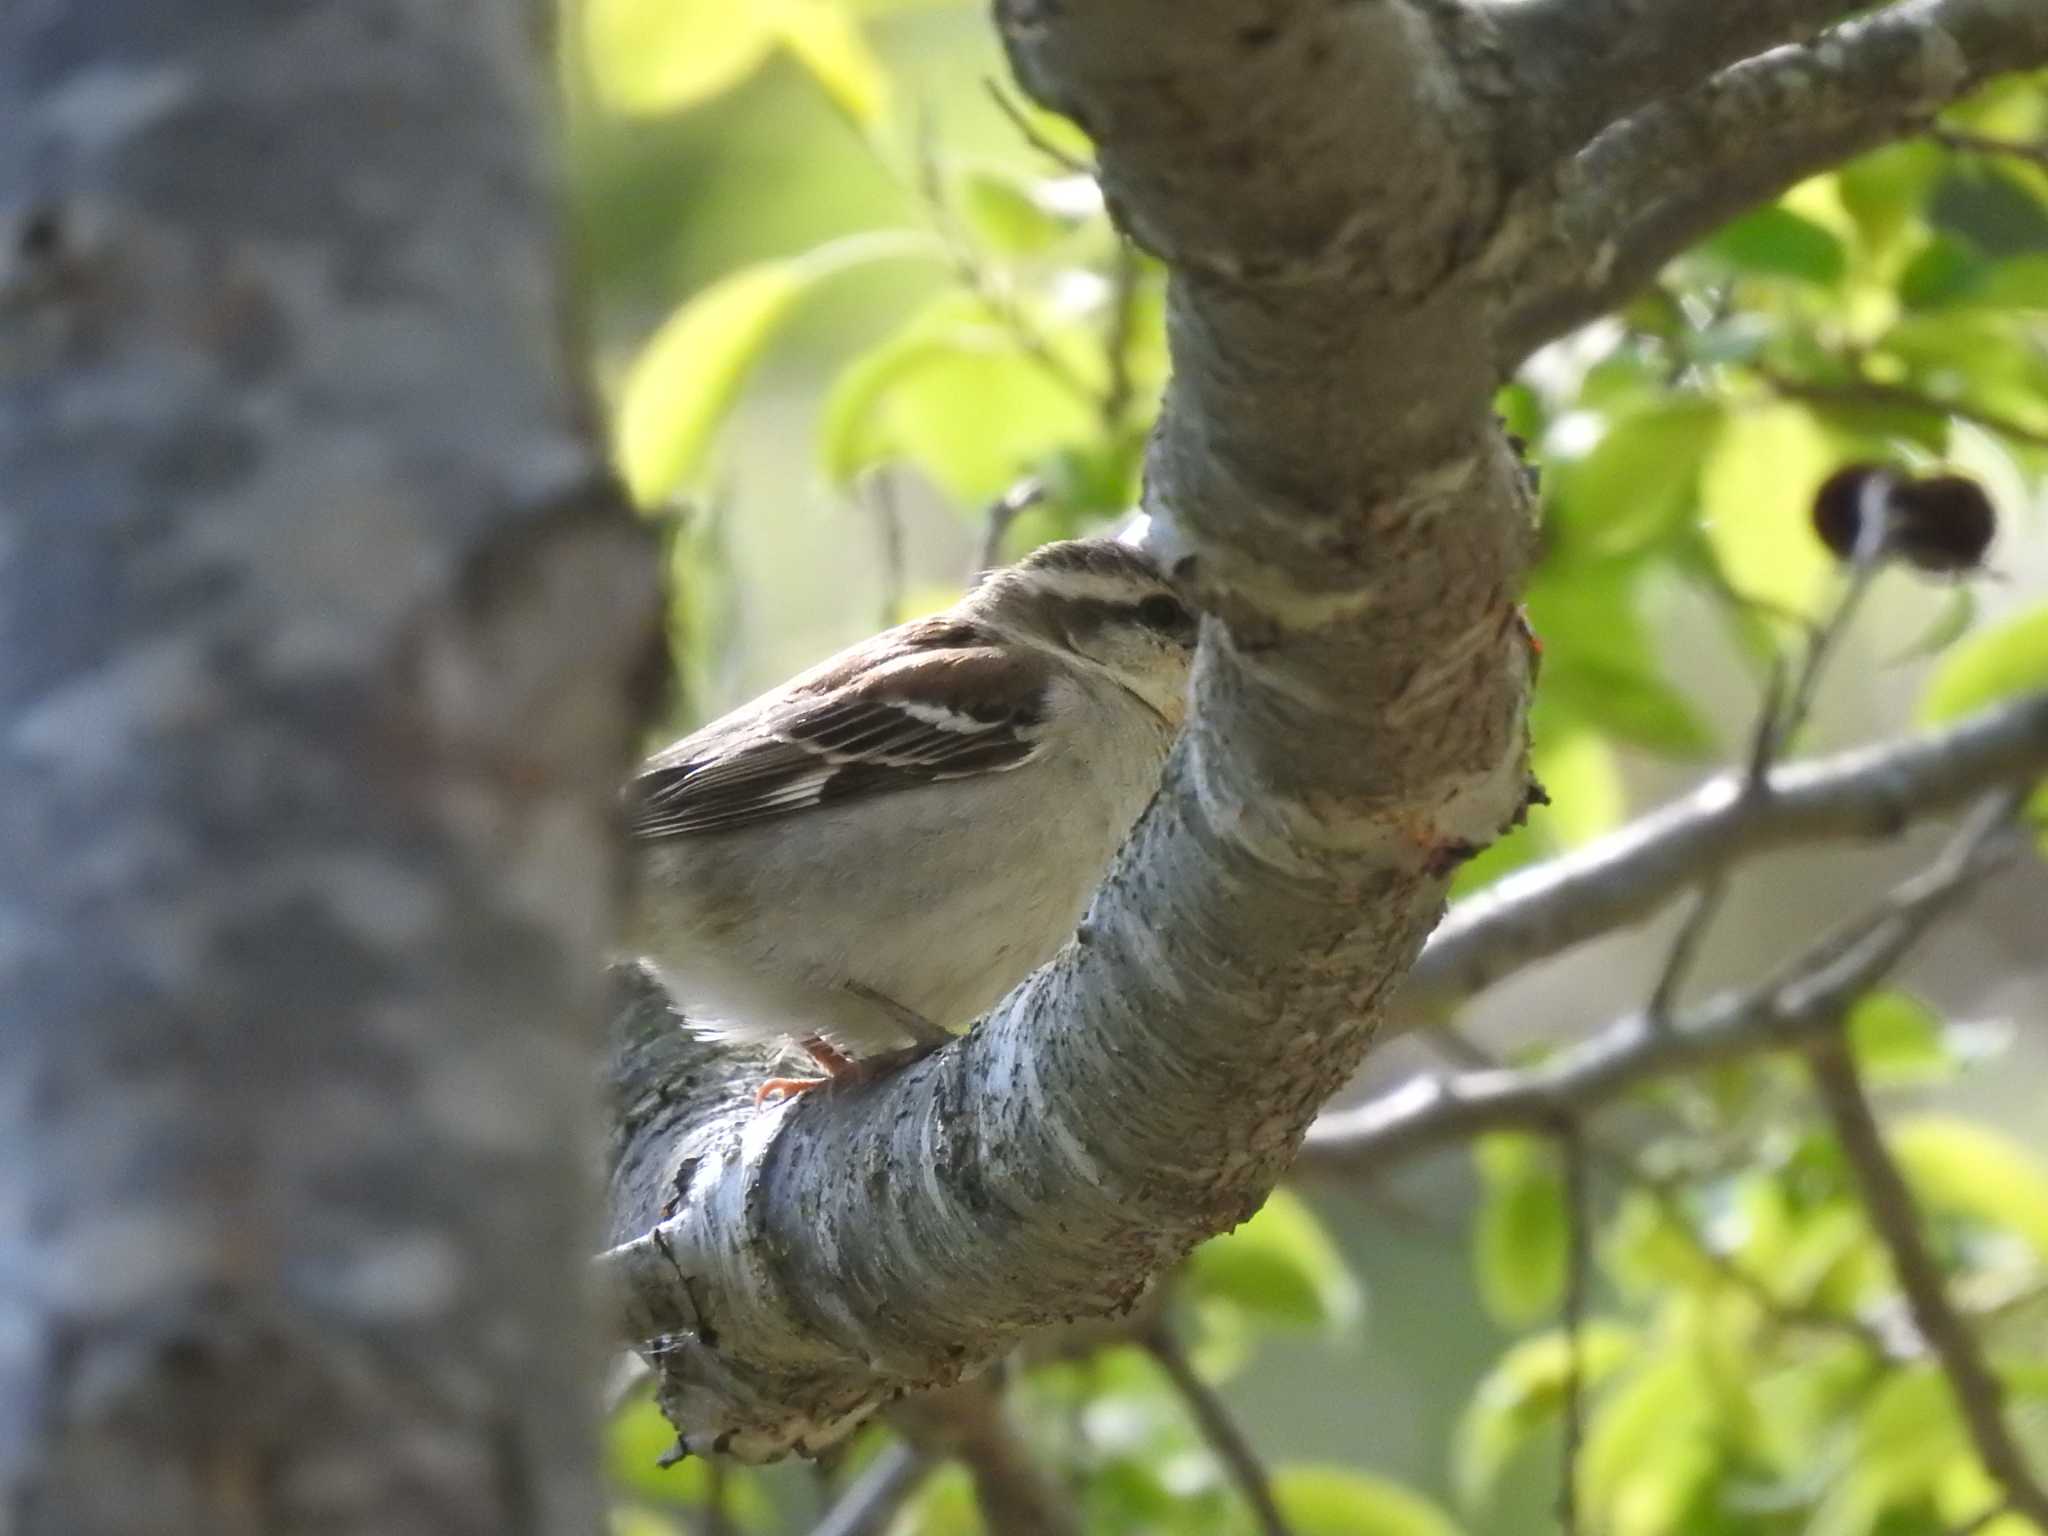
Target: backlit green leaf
(1521, 1235)
(1525, 1391)
(2008, 659)
(1635, 483)
(685, 379)
(1280, 1266)
(1777, 242)
(1897, 1039)
(1958, 1166)
(658, 55)
(823, 37)
(1335, 1501)
(1756, 498)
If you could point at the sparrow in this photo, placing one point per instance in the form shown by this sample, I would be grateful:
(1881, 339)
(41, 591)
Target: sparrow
(866, 859)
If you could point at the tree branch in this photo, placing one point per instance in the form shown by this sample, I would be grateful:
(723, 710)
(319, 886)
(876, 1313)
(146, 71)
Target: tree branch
(1654, 184)
(1979, 1394)
(1591, 63)
(1808, 997)
(1013, 1494)
(1357, 729)
(871, 1501)
(1239, 1456)
(1628, 875)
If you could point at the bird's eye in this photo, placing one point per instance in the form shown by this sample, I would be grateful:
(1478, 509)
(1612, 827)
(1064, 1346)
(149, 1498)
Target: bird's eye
(1165, 614)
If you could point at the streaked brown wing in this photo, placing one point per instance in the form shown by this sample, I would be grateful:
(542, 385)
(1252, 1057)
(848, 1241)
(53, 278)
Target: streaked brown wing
(913, 718)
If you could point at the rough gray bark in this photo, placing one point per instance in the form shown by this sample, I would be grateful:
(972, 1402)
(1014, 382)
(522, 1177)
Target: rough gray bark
(1360, 230)
(316, 628)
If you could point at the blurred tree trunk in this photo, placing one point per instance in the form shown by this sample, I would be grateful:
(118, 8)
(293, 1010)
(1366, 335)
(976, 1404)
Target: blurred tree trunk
(318, 626)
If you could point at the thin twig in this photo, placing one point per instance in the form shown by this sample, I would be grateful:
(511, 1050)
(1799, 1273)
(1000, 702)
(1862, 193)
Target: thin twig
(1119, 334)
(987, 286)
(1872, 392)
(995, 523)
(1218, 1428)
(880, 487)
(1807, 996)
(1627, 875)
(2035, 151)
(1780, 718)
(1578, 1281)
(1979, 1394)
(872, 1499)
(1029, 132)
(717, 1517)
(1014, 1494)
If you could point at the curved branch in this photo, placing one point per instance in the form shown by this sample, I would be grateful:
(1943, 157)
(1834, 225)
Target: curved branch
(1627, 876)
(1888, 1202)
(1356, 731)
(1652, 185)
(1806, 999)
(1589, 63)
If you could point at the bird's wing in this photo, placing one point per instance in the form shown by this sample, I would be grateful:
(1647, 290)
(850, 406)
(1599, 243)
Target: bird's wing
(877, 721)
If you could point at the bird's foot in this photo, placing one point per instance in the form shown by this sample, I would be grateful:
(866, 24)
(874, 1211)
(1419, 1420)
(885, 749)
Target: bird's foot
(843, 1069)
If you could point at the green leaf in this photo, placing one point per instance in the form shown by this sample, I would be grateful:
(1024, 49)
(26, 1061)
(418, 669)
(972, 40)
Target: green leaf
(1587, 796)
(1630, 704)
(686, 377)
(1885, 191)
(1943, 271)
(1000, 208)
(1280, 1266)
(1524, 1391)
(1957, 613)
(1641, 1460)
(1635, 483)
(659, 55)
(1335, 1501)
(1756, 498)
(635, 1442)
(1600, 660)
(1897, 1039)
(956, 394)
(1905, 1438)
(1777, 242)
(1994, 664)
(1521, 1236)
(822, 36)
(1974, 1171)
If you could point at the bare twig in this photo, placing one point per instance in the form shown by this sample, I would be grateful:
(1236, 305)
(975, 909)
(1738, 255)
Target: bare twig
(881, 499)
(1781, 717)
(1013, 1493)
(995, 523)
(990, 287)
(1029, 133)
(1807, 997)
(871, 1500)
(1659, 180)
(1116, 341)
(1979, 1394)
(1578, 1281)
(1871, 392)
(717, 1519)
(1625, 877)
(1240, 1459)
(2035, 152)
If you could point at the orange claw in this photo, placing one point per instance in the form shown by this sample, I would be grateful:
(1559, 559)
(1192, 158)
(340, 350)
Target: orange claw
(787, 1087)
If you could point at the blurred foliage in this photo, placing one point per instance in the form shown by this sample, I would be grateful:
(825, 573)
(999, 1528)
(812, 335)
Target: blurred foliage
(990, 328)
